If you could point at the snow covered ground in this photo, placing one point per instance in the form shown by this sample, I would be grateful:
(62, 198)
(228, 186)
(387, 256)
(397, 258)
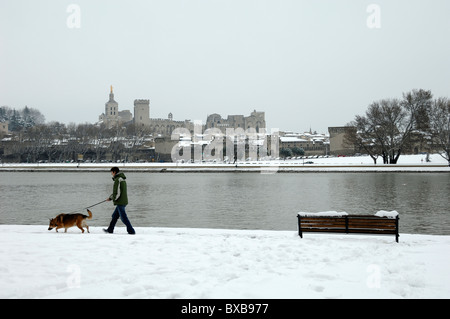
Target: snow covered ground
(207, 263)
(406, 163)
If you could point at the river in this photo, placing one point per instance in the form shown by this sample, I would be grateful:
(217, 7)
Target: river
(229, 200)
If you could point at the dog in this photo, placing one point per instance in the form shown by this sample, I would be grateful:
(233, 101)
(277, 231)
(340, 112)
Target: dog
(69, 220)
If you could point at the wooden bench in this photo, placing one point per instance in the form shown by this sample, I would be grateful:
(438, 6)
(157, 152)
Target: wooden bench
(361, 224)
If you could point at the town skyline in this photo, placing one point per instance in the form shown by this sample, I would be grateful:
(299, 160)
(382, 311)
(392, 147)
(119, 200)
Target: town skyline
(129, 115)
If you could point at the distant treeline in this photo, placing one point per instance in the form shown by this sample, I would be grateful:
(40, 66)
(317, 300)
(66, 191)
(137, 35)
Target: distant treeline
(21, 119)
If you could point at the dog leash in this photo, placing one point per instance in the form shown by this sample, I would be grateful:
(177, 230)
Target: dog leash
(88, 206)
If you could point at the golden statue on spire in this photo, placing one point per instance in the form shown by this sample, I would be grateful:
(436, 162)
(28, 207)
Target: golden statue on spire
(111, 89)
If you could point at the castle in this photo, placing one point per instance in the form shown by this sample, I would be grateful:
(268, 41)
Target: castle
(141, 119)
(256, 120)
(164, 127)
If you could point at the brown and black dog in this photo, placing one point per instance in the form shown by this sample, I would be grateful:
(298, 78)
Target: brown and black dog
(69, 220)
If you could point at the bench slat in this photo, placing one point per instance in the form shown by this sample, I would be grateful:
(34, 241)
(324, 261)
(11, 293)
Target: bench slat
(335, 230)
(361, 224)
(325, 223)
(374, 231)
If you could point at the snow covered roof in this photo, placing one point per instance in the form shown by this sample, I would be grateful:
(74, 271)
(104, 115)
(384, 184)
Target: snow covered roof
(287, 139)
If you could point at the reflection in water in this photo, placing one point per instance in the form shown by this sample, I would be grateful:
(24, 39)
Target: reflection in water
(230, 200)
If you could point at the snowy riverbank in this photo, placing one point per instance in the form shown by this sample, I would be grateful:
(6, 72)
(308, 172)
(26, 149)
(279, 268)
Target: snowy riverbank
(407, 163)
(207, 263)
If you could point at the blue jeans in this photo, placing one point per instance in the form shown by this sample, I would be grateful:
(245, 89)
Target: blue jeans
(120, 212)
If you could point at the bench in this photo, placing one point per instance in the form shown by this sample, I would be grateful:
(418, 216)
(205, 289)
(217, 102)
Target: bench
(348, 224)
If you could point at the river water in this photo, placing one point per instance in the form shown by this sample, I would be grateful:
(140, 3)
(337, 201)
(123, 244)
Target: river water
(229, 200)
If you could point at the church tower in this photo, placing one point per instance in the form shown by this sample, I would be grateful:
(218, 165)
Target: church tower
(111, 110)
(142, 113)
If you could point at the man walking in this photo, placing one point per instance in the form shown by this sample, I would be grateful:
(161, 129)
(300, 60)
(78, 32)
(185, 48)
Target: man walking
(120, 200)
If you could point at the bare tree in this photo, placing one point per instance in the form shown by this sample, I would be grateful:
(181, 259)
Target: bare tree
(136, 136)
(439, 121)
(37, 140)
(387, 125)
(359, 134)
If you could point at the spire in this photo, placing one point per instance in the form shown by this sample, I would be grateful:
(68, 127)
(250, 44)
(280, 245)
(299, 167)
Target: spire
(111, 95)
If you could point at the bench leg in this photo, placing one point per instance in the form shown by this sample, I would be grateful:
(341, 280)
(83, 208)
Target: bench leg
(397, 235)
(299, 227)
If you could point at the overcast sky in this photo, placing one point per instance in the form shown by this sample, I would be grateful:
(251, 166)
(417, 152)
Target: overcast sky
(305, 63)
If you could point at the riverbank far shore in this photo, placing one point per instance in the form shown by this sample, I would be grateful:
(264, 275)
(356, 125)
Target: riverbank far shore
(408, 163)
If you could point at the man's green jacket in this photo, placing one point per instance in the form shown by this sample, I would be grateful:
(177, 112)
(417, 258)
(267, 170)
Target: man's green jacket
(119, 195)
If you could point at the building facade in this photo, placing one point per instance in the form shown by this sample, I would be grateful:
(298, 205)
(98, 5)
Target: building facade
(161, 129)
(312, 144)
(256, 120)
(112, 116)
(337, 144)
(141, 118)
(164, 127)
(4, 127)
(142, 113)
